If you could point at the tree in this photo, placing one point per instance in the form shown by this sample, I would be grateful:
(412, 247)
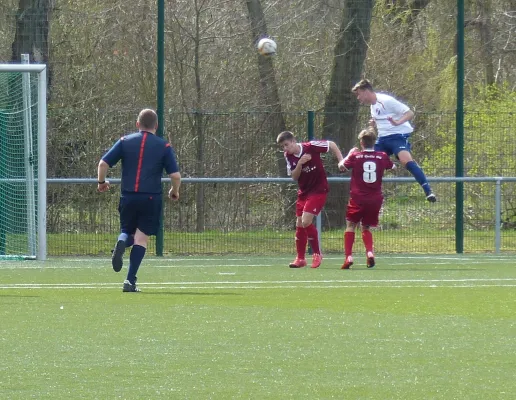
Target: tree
(269, 88)
(341, 107)
(32, 32)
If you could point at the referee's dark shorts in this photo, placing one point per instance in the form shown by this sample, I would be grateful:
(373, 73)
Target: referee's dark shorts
(140, 211)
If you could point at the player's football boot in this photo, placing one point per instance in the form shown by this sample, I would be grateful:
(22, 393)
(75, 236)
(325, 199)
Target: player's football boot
(431, 198)
(370, 259)
(316, 260)
(348, 263)
(117, 257)
(297, 263)
(129, 287)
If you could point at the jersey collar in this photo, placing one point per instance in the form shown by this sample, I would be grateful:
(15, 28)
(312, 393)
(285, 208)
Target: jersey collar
(300, 150)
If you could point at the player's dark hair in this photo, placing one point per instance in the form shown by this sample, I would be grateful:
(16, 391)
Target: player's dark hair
(285, 135)
(364, 84)
(148, 119)
(367, 137)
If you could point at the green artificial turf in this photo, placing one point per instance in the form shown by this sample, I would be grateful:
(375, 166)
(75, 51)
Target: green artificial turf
(415, 327)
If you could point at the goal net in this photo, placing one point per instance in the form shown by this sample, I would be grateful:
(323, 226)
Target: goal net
(22, 161)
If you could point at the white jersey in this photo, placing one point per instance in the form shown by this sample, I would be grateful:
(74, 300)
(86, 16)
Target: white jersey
(387, 106)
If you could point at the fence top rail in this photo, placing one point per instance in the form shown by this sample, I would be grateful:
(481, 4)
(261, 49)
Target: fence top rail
(494, 179)
(22, 67)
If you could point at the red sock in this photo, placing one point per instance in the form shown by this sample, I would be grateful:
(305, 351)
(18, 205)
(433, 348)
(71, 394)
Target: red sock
(349, 239)
(313, 238)
(367, 237)
(301, 239)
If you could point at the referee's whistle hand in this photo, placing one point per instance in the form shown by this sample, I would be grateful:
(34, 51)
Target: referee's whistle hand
(103, 187)
(173, 195)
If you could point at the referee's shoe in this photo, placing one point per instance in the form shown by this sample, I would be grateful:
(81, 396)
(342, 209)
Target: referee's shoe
(117, 257)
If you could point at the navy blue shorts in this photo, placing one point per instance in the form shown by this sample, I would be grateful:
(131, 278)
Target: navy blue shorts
(140, 211)
(393, 144)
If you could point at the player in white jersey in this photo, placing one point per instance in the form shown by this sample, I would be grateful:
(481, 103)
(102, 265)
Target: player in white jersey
(392, 120)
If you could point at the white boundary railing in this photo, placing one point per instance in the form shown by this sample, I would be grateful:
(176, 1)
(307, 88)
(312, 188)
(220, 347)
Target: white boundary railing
(496, 180)
(497, 195)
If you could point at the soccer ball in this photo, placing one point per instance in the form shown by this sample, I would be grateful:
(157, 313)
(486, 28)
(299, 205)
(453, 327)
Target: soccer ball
(267, 47)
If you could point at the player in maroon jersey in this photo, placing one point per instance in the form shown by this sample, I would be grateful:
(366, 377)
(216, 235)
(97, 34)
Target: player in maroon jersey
(366, 196)
(305, 166)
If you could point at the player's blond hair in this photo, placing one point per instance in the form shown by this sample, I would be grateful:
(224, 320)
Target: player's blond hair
(363, 84)
(367, 137)
(148, 119)
(285, 135)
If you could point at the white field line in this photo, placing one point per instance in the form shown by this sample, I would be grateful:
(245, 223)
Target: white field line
(284, 284)
(106, 263)
(119, 286)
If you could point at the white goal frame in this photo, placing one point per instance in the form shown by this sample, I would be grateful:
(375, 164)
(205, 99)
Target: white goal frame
(41, 201)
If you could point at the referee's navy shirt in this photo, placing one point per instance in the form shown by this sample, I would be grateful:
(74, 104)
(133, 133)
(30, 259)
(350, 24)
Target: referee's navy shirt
(144, 156)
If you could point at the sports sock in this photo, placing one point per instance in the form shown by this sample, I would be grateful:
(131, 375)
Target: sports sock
(129, 241)
(349, 239)
(313, 238)
(123, 236)
(301, 239)
(135, 259)
(418, 173)
(367, 237)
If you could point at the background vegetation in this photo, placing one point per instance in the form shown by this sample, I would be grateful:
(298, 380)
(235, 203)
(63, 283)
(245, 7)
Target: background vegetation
(225, 104)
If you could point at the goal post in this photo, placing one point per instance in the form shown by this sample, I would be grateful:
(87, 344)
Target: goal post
(23, 166)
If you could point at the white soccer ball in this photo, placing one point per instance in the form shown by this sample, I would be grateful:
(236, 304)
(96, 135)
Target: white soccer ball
(267, 47)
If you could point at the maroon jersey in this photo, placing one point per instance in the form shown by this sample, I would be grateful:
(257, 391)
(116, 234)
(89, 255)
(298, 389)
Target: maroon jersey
(366, 178)
(313, 176)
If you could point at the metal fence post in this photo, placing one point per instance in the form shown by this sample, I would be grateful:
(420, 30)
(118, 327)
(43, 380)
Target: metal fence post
(160, 89)
(459, 133)
(498, 215)
(311, 135)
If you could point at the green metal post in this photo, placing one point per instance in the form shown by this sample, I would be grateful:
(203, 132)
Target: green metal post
(160, 101)
(310, 128)
(311, 124)
(459, 132)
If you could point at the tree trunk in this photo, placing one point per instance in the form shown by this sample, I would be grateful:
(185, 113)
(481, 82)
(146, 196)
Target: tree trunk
(269, 96)
(269, 89)
(486, 39)
(32, 30)
(199, 129)
(341, 107)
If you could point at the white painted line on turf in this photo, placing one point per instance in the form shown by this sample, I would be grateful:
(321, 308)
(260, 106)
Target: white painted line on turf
(322, 283)
(164, 287)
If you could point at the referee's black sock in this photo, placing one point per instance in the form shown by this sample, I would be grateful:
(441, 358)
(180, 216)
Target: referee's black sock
(135, 259)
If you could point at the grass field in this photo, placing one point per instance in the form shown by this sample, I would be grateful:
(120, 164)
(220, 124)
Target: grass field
(415, 327)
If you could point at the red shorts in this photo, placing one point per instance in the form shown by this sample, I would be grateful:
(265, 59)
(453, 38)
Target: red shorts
(313, 204)
(364, 210)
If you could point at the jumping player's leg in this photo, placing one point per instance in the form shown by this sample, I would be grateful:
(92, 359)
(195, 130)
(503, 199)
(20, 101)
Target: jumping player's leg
(353, 218)
(349, 240)
(406, 160)
(313, 206)
(311, 231)
(370, 218)
(367, 238)
(300, 237)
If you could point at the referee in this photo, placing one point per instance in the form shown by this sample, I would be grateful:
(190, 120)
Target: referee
(144, 156)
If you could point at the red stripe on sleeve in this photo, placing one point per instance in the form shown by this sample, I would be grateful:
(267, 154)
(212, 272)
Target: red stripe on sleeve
(140, 162)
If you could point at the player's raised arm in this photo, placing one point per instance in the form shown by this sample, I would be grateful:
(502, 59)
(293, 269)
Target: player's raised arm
(407, 116)
(335, 151)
